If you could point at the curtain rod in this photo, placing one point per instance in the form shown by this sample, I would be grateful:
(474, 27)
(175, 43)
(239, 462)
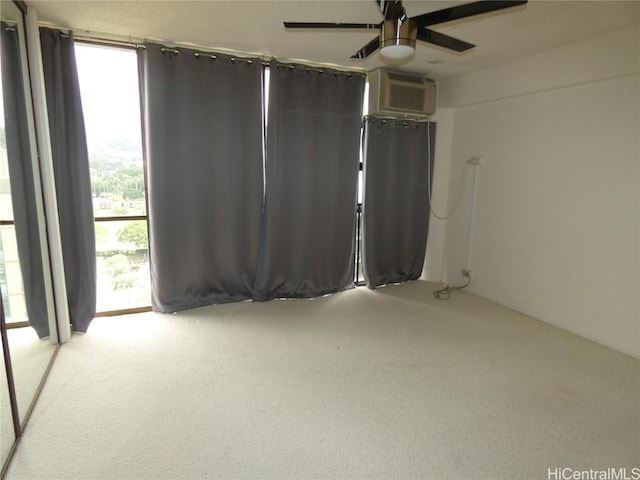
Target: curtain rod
(265, 62)
(112, 43)
(309, 69)
(402, 119)
(100, 39)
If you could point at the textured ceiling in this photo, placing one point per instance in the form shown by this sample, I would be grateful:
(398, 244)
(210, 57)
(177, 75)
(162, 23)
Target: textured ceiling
(256, 27)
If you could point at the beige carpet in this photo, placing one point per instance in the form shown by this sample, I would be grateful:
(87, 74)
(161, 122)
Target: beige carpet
(362, 384)
(30, 357)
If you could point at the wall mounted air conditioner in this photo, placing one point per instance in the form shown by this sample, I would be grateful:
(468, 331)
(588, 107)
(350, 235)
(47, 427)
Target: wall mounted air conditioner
(401, 94)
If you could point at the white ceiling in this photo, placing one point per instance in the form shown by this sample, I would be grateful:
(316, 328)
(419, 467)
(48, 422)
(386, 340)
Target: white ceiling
(256, 27)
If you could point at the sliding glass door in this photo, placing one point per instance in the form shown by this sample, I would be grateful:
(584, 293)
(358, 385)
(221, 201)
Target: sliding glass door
(27, 319)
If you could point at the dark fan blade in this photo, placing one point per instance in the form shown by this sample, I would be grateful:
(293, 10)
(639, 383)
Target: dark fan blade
(368, 49)
(359, 26)
(464, 11)
(442, 40)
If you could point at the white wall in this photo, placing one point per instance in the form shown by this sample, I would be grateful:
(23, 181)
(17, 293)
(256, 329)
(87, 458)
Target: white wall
(557, 229)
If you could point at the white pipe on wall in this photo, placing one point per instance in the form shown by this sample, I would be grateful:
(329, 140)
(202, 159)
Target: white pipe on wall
(475, 162)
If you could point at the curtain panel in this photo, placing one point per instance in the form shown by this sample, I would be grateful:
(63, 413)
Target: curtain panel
(395, 217)
(202, 117)
(71, 171)
(312, 155)
(23, 195)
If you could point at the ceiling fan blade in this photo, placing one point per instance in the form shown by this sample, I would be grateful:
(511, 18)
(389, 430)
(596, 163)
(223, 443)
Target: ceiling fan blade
(354, 26)
(368, 49)
(443, 40)
(464, 11)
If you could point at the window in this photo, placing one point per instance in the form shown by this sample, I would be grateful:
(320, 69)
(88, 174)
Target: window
(108, 79)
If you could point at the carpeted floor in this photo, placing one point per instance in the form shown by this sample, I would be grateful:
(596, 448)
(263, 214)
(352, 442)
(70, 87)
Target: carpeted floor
(361, 384)
(30, 357)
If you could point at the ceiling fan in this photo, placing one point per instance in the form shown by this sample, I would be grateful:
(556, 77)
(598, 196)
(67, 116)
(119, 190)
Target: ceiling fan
(398, 33)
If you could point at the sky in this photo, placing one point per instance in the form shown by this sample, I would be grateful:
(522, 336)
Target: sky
(109, 89)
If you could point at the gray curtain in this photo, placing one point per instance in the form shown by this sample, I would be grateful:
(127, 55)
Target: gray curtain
(71, 170)
(396, 202)
(21, 179)
(313, 138)
(203, 144)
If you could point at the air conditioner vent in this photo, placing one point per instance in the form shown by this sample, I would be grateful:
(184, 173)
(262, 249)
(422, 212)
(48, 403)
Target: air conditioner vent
(404, 78)
(393, 93)
(405, 98)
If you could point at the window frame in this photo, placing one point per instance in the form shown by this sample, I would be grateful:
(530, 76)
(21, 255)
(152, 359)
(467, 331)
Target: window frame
(123, 218)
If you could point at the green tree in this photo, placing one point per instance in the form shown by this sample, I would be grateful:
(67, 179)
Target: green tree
(133, 194)
(112, 178)
(119, 268)
(134, 233)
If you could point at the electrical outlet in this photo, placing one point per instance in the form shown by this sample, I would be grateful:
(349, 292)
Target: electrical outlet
(466, 273)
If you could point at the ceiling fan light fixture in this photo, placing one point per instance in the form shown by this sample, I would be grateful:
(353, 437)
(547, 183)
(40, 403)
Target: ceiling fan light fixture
(398, 39)
(397, 52)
